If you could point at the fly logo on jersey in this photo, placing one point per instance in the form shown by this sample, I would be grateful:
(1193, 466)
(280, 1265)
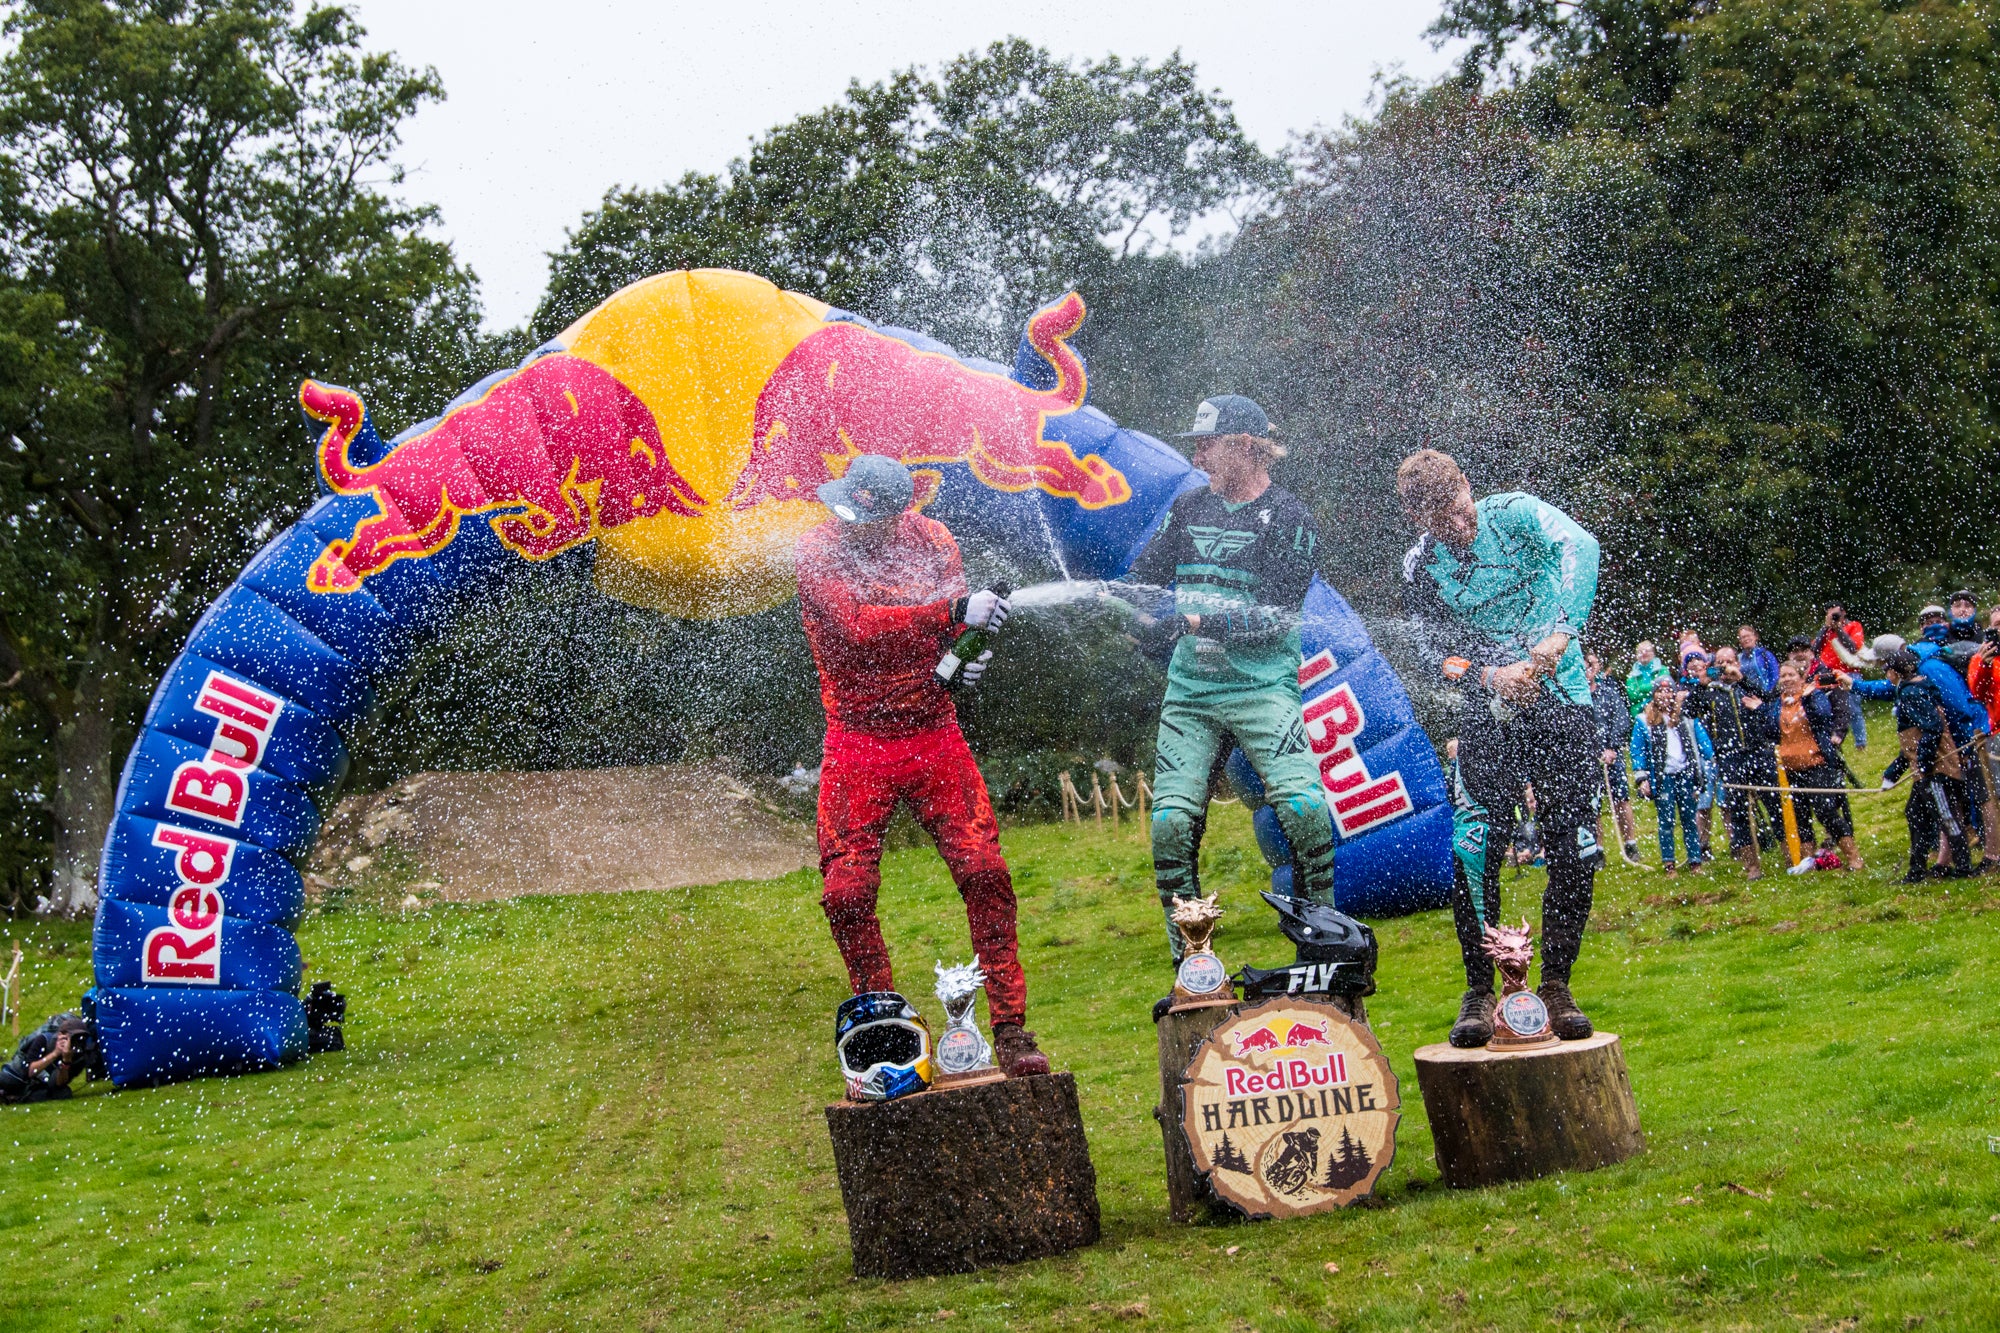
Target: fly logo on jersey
(1360, 800)
(1219, 543)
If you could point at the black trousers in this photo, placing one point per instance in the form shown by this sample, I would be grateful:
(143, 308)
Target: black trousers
(1927, 824)
(1830, 807)
(1756, 769)
(1554, 746)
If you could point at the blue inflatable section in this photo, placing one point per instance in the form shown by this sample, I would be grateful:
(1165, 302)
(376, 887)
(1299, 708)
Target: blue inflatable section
(1391, 808)
(246, 740)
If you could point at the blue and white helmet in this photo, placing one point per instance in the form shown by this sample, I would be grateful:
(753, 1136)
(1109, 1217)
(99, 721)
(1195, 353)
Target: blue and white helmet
(884, 1047)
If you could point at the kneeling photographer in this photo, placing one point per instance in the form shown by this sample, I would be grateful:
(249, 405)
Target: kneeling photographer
(47, 1059)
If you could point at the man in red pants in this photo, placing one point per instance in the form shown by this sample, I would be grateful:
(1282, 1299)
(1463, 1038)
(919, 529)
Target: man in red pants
(883, 591)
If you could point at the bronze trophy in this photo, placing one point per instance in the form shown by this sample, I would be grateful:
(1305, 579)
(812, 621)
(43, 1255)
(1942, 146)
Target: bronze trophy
(1520, 1019)
(1201, 979)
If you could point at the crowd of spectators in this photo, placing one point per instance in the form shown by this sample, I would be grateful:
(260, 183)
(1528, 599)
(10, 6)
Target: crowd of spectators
(1737, 728)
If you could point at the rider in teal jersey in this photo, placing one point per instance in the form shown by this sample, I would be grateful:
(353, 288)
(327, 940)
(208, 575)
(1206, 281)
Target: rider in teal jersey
(1498, 594)
(1239, 554)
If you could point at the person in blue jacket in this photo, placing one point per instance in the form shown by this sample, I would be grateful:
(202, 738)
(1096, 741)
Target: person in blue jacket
(1967, 717)
(1671, 759)
(1498, 594)
(1938, 804)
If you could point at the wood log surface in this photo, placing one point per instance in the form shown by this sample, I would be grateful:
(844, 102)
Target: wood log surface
(1516, 1115)
(958, 1179)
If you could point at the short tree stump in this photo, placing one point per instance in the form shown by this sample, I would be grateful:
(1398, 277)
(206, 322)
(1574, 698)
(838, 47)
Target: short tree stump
(1515, 1115)
(957, 1179)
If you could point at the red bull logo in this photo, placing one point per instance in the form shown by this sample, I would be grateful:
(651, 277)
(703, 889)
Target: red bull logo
(600, 464)
(1263, 1039)
(1361, 800)
(1283, 1075)
(1281, 1037)
(847, 390)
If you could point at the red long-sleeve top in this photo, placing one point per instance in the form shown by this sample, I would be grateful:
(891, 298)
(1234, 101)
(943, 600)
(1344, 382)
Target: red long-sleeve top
(1982, 678)
(877, 622)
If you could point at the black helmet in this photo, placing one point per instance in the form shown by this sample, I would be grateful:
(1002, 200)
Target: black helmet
(1336, 953)
(1903, 661)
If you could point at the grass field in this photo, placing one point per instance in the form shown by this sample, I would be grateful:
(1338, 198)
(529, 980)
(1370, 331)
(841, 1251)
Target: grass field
(605, 1112)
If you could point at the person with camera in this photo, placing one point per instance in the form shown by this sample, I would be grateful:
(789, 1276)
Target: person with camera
(1838, 648)
(47, 1059)
(1938, 807)
(1809, 749)
(1498, 593)
(1742, 729)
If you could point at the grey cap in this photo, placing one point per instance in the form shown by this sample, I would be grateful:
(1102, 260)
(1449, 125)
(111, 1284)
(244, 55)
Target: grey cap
(1228, 414)
(875, 487)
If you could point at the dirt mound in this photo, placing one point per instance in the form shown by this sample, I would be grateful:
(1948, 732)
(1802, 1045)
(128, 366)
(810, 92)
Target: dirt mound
(598, 830)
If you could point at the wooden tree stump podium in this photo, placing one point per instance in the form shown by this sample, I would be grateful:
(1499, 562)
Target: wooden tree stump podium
(1515, 1115)
(957, 1179)
(1188, 1194)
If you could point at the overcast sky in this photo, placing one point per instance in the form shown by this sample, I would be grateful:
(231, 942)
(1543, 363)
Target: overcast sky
(548, 105)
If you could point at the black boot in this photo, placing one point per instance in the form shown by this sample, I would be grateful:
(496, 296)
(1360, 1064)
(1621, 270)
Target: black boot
(1566, 1020)
(1474, 1027)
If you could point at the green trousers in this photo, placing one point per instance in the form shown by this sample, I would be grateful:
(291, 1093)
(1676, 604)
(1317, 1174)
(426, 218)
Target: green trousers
(1194, 735)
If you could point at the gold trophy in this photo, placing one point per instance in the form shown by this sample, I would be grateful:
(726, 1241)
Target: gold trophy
(1520, 1019)
(1201, 980)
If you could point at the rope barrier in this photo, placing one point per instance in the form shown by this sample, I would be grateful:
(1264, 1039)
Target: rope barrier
(1817, 791)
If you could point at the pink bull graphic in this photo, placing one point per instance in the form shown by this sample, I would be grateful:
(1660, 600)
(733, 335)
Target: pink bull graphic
(848, 390)
(601, 464)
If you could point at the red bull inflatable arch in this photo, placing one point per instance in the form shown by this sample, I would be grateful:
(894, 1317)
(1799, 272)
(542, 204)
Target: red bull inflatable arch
(679, 430)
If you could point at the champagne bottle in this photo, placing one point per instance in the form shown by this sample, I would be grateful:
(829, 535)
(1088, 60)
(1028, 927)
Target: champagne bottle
(965, 648)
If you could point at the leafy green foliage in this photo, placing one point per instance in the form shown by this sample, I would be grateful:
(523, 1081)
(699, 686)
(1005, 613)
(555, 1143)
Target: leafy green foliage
(1769, 235)
(952, 202)
(194, 225)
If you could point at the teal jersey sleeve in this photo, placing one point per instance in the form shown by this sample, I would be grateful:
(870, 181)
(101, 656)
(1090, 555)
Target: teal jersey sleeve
(1568, 556)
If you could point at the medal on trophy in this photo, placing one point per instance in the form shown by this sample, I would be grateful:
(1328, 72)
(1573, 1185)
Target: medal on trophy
(1201, 979)
(1520, 1019)
(963, 1055)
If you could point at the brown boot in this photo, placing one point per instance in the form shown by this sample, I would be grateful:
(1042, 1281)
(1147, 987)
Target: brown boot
(1016, 1052)
(1566, 1020)
(1474, 1027)
(1850, 855)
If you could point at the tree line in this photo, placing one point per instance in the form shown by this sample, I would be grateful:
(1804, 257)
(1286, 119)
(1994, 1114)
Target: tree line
(1715, 274)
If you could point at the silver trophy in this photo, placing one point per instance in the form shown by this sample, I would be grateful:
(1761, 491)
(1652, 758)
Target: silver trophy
(963, 1053)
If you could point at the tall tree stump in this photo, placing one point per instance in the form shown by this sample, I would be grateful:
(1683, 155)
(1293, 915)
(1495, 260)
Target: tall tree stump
(1188, 1192)
(958, 1179)
(1515, 1115)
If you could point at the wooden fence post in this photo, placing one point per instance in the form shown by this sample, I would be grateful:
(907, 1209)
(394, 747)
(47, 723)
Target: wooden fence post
(1097, 798)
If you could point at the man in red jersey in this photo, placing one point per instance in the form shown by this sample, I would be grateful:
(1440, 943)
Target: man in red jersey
(883, 591)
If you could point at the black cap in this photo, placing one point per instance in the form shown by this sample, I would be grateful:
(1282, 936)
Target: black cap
(1963, 595)
(1799, 643)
